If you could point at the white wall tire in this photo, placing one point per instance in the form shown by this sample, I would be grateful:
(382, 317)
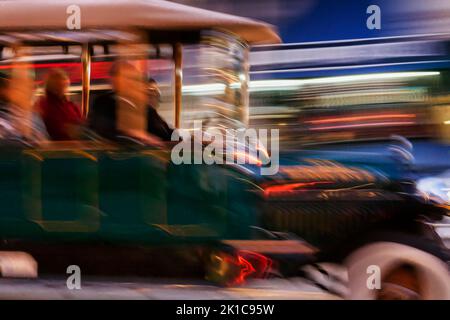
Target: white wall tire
(433, 273)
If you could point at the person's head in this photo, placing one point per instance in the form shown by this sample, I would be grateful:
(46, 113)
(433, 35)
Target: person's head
(152, 84)
(4, 86)
(153, 92)
(128, 81)
(124, 74)
(57, 82)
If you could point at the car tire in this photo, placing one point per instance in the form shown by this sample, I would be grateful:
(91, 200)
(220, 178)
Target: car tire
(433, 275)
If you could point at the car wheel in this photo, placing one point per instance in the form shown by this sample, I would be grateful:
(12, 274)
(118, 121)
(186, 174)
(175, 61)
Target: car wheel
(405, 272)
(402, 283)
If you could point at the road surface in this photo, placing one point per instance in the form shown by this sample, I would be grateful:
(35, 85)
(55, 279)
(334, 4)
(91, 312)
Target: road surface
(153, 288)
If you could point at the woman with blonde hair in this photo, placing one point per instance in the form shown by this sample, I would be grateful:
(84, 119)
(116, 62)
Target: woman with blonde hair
(61, 117)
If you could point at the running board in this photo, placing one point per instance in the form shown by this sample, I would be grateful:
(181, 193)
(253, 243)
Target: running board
(273, 247)
(17, 264)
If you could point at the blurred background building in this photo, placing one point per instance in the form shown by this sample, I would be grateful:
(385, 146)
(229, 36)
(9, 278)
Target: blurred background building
(333, 80)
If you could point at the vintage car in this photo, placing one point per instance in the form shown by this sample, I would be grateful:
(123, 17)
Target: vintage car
(82, 202)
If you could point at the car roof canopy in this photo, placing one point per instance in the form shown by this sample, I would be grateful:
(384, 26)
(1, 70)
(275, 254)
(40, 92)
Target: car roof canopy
(146, 15)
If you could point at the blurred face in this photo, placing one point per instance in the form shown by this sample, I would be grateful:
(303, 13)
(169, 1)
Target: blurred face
(58, 84)
(154, 94)
(63, 85)
(129, 83)
(121, 80)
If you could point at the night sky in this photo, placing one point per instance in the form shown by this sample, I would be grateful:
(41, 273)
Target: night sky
(307, 20)
(330, 20)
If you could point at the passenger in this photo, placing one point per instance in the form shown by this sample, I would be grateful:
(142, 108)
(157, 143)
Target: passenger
(18, 121)
(62, 118)
(122, 111)
(155, 124)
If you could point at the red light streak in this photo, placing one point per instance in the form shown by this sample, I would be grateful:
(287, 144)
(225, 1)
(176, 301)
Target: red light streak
(258, 267)
(246, 269)
(261, 264)
(288, 188)
(99, 70)
(42, 65)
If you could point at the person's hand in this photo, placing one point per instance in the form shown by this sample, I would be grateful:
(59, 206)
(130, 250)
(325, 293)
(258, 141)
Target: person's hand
(146, 137)
(154, 141)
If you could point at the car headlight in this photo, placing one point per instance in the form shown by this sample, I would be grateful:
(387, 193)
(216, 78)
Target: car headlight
(436, 188)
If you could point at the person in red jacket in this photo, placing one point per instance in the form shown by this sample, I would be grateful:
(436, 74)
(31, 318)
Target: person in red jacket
(62, 118)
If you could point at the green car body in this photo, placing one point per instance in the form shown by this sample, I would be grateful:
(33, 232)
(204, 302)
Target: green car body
(110, 194)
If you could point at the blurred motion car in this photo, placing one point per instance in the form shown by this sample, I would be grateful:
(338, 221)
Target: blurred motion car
(357, 210)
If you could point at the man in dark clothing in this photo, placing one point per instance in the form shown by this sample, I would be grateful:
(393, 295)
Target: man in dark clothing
(155, 124)
(104, 114)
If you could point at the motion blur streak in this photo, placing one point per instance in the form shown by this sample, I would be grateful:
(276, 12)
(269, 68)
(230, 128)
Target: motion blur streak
(376, 124)
(290, 187)
(345, 119)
